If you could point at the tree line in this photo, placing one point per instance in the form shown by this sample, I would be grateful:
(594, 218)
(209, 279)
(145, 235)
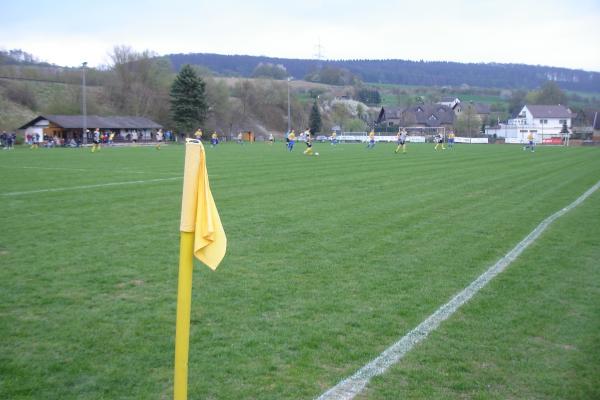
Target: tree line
(420, 73)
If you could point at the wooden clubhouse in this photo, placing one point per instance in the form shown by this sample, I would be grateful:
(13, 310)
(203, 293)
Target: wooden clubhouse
(72, 126)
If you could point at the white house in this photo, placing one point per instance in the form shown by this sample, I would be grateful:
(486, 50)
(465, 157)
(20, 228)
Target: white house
(544, 122)
(449, 101)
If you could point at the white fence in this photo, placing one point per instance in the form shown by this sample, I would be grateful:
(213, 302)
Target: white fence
(470, 140)
(365, 138)
(514, 141)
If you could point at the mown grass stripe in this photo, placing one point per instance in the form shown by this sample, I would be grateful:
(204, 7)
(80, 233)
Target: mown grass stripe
(352, 386)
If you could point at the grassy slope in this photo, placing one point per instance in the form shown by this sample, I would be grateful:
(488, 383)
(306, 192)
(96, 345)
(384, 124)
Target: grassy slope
(12, 115)
(51, 98)
(330, 260)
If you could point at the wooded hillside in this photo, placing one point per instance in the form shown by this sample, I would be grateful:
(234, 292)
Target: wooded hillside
(404, 72)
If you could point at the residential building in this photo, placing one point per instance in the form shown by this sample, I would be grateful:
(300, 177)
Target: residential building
(421, 115)
(544, 122)
(389, 117)
(428, 115)
(449, 101)
(479, 111)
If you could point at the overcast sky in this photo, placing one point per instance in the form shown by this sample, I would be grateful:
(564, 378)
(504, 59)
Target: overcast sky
(552, 32)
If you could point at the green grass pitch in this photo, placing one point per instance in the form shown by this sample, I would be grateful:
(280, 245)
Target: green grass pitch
(330, 260)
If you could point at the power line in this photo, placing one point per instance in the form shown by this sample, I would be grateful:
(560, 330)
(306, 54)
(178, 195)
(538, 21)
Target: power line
(14, 78)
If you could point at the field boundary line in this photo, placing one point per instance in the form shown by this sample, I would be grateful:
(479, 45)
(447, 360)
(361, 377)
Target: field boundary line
(349, 387)
(82, 170)
(90, 186)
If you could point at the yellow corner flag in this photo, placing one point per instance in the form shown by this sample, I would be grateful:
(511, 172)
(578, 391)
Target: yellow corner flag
(202, 235)
(198, 211)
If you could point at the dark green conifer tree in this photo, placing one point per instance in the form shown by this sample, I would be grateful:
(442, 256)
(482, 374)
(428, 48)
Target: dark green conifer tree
(315, 119)
(188, 100)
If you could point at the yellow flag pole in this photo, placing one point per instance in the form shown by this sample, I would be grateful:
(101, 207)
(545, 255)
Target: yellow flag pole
(184, 305)
(202, 236)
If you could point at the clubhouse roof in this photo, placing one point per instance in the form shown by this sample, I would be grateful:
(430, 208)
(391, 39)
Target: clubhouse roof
(76, 122)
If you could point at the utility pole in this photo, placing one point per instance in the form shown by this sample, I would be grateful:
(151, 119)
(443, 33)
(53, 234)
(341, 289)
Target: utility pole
(319, 55)
(83, 106)
(469, 113)
(289, 107)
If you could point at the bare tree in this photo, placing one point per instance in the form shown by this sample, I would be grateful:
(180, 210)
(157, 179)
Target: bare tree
(140, 82)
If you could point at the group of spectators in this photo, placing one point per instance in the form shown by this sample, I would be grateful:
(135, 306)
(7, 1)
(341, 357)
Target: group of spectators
(36, 140)
(106, 137)
(135, 136)
(7, 140)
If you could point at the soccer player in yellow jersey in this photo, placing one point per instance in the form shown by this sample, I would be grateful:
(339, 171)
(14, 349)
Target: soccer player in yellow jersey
(334, 140)
(214, 140)
(291, 140)
(451, 140)
(371, 140)
(198, 134)
(530, 144)
(401, 140)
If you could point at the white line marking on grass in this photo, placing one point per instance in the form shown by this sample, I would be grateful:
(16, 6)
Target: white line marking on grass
(90, 186)
(53, 168)
(353, 385)
(85, 169)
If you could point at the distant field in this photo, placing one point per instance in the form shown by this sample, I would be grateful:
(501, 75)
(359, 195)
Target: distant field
(391, 99)
(330, 260)
(485, 99)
